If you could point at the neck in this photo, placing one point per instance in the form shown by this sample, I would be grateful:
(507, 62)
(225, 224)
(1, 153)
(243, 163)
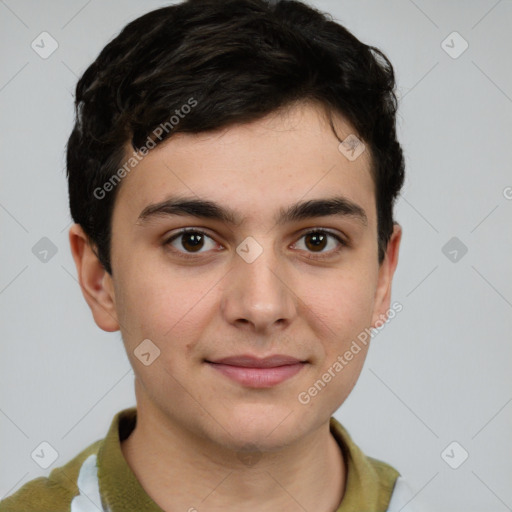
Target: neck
(181, 471)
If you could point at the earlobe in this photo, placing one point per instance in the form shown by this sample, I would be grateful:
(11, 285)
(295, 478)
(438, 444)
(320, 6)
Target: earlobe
(95, 282)
(385, 279)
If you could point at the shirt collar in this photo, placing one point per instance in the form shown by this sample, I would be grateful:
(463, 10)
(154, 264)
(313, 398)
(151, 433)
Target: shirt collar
(368, 486)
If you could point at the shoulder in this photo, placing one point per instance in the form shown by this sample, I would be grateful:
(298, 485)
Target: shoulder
(53, 493)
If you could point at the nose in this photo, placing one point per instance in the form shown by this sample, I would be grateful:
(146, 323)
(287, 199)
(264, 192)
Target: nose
(258, 295)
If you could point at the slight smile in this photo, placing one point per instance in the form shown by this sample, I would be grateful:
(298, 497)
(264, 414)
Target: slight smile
(255, 372)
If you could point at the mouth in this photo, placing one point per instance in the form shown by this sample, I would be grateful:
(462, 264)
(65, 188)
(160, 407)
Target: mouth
(253, 372)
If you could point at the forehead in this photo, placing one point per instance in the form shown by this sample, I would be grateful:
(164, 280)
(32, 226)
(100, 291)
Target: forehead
(253, 169)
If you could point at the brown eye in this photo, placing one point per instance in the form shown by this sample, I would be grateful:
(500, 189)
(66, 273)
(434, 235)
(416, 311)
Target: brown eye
(192, 241)
(188, 243)
(316, 241)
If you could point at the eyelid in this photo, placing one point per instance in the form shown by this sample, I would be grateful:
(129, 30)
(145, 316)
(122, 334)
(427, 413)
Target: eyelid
(169, 239)
(342, 240)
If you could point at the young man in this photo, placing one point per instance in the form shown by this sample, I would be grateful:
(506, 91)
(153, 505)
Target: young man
(232, 174)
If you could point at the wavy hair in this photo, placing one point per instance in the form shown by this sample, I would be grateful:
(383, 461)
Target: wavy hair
(240, 60)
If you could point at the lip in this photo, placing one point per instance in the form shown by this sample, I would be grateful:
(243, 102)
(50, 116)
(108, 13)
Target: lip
(248, 361)
(257, 372)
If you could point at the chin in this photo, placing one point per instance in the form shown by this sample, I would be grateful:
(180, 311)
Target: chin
(269, 427)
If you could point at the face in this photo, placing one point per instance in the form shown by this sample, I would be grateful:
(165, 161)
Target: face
(261, 283)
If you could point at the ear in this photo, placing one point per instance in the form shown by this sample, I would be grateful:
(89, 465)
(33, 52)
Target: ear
(95, 282)
(385, 278)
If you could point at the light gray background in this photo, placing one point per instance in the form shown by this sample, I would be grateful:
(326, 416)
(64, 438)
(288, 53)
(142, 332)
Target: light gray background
(439, 372)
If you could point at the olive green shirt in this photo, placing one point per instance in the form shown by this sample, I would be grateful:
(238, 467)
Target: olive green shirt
(99, 479)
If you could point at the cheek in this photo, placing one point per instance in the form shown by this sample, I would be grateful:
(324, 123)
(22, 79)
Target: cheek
(343, 305)
(347, 314)
(161, 306)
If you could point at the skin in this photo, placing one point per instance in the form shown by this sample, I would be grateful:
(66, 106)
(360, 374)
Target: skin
(193, 422)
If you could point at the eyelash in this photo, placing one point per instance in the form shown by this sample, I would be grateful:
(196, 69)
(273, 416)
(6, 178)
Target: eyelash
(343, 243)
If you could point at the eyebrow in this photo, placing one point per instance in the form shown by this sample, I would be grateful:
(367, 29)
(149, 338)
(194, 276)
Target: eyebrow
(338, 206)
